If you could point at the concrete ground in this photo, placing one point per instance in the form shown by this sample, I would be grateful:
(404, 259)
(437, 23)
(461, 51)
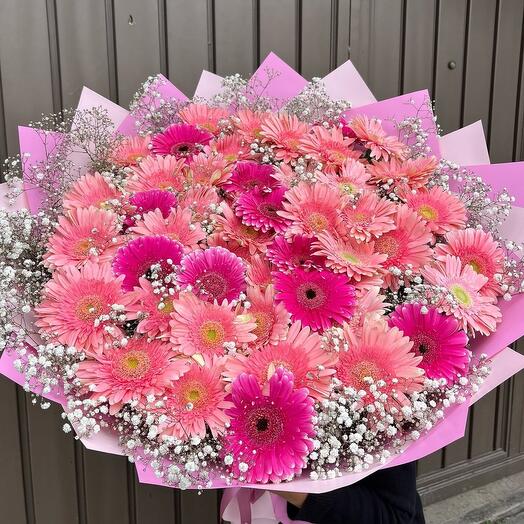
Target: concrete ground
(501, 502)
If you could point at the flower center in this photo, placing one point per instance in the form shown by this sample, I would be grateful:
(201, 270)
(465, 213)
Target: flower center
(349, 257)
(89, 308)
(212, 333)
(461, 294)
(268, 210)
(182, 149)
(311, 295)
(477, 264)
(428, 212)
(264, 425)
(317, 221)
(167, 308)
(133, 365)
(248, 231)
(213, 284)
(365, 369)
(83, 246)
(347, 187)
(388, 245)
(194, 393)
(424, 345)
(264, 322)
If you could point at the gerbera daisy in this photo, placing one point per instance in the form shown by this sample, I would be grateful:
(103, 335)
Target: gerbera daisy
(249, 124)
(152, 200)
(350, 257)
(131, 150)
(231, 147)
(352, 179)
(406, 246)
(89, 190)
(141, 368)
(213, 274)
(151, 308)
(199, 200)
(75, 300)
(297, 252)
(474, 311)
(197, 400)
(83, 234)
(176, 226)
(480, 251)
(285, 132)
(316, 298)
(202, 328)
(135, 259)
(249, 175)
(180, 140)
(369, 217)
(208, 170)
(441, 211)
(412, 173)
(437, 338)
(259, 209)
(204, 116)
(301, 353)
(258, 271)
(370, 305)
(312, 208)
(157, 172)
(271, 434)
(328, 146)
(369, 131)
(380, 354)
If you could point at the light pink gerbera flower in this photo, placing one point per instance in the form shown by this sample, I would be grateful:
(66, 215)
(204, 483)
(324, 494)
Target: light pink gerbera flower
(249, 175)
(81, 235)
(197, 401)
(259, 209)
(180, 140)
(285, 132)
(312, 208)
(316, 298)
(480, 251)
(350, 257)
(154, 199)
(369, 217)
(380, 354)
(131, 373)
(202, 328)
(369, 131)
(199, 200)
(370, 306)
(157, 172)
(135, 259)
(131, 150)
(301, 353)
(403, 174)
(441, 211)
(208, 170)
(249, 124)
(474, 311)
(270, 433)
(297, 252)
(73, 302)
(176, 226)
(231, 147)
(328, 146)
(437, 338)
(406, 246)
(204, 116)
(352, 179)
(258, 271)
(213, 274)
(92, 189)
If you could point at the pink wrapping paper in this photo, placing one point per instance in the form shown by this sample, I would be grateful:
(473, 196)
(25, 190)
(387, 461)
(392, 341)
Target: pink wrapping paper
(89, 99)
(208, 86)
(465, 146)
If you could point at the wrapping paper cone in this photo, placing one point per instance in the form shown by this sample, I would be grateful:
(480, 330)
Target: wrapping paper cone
(208, 86)
(465, 146)
(89, 99)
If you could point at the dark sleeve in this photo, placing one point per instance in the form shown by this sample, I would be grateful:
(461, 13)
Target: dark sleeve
(386, 497)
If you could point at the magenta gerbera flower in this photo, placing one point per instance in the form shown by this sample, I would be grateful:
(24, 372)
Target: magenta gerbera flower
(250, 175)
(437, 338)
(136, 258)
(316, 298)
(259, 209)
(145, 201)
(180, 140)
(299, 252)
(213, 274)
(271, 434)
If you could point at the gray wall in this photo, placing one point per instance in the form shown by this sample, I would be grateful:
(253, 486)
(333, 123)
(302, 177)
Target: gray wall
(50, 48)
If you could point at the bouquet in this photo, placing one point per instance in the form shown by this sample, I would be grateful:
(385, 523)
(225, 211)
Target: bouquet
(263, 284)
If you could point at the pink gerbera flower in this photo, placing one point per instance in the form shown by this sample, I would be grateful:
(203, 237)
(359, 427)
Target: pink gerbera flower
(230, 146)
(260, 209)
(270, 434)
(312, 208)
(441, 210)
(437, 338)
(213, 274)
(352, 179)
(204, 116)
(131, 150)
(250, 175)
(474, 311)
(92, 189)
(328, 146)
(370, 306)
(141, 368)
(369, 217)
(316, 298)
(380, 354)
(249, 124)
(75, 300)
(154, 199)
(298, 252)
(176, 226)
(180, 140)
(208, 170)
(258, 271)
(202, 328)
(156, 172)
(199, 200)
(480, 251)
(197, 401)
(412, 173)
(301, 353)
(81, 235)
(285, 132)
(136, 259)
(369, 131)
